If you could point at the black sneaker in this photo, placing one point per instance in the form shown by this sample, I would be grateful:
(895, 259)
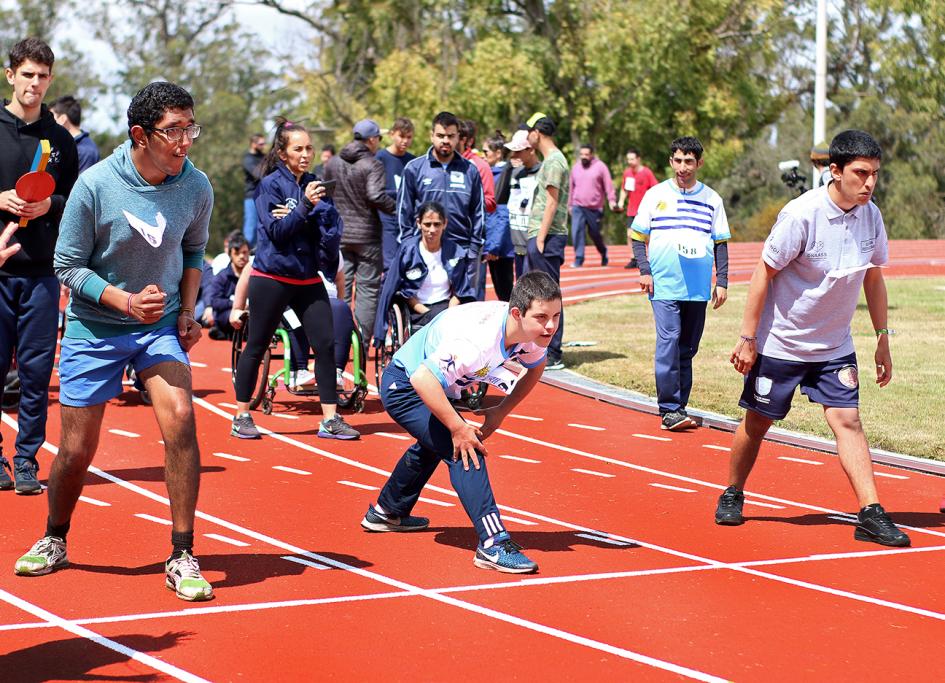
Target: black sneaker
(631, 265)
(26, 482)
(6, 478)
(875, 526)
(604, 261)
(729, 510)
(244, 427)
(375, 521)
(676, 421)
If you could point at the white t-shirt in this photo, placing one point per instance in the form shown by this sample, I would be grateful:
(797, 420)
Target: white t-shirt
(822, 254)
(464, 345)
(436, 286)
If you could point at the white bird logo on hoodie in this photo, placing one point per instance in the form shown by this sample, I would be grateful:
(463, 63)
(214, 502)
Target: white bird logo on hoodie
(152, 233)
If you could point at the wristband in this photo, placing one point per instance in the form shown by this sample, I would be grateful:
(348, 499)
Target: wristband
(183, 309)
(748, 339)
(884, 330)
(128, 309)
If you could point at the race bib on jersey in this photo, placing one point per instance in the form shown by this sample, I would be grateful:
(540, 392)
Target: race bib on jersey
(693, 250)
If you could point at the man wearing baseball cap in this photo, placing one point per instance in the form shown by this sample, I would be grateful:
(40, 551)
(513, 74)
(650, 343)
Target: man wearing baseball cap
(523, 169)
(548, 220)
(361, 192)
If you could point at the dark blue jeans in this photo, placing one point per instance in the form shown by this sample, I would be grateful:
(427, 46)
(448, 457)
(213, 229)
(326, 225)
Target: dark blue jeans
(29, 322)
(583, 219)
(549, 261)
(679, 326)
(434, 445)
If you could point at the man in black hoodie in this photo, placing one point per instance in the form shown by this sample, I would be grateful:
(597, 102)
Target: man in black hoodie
(29, 290)
(361, 192)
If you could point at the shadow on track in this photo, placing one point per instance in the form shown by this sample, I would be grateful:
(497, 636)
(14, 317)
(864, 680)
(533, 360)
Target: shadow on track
(545, 541)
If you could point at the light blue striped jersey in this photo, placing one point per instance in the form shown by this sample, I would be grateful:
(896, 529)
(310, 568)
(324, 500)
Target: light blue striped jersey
(681, 229)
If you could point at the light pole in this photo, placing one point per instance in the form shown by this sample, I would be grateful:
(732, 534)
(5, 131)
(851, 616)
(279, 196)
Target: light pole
(820, 83)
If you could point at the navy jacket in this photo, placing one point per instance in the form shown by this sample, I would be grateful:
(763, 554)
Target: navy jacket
(306, 240)
(498, 232)
(408, 271)
(219, 292)
(457, 186)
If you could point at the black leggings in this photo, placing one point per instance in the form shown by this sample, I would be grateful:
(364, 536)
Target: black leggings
(310, 303)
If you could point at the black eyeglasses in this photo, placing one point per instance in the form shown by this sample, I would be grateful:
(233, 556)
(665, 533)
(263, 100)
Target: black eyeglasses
(177, 134)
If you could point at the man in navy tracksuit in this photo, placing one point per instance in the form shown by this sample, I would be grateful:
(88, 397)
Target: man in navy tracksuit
(442, 175)
(29, 290)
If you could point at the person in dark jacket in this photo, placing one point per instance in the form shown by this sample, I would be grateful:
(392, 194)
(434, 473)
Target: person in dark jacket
(68, 113)
(360, 193)
(429, 273)
(295, 217)
(29, 290)
(222, 286)
(443, 175)
(252, 165)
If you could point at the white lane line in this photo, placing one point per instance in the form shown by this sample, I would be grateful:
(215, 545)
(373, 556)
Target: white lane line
(390, 435)
(93, 501)
(356, 485)
(603, 539)
(764, 505)
(227, 539)
(197, 364)
(651, 437)
(307, 563)
(284, 416)
(122, 432)
(441, 503)
(520, 459)
(152, 518)
(716, 448)
(108, 643)
(590, 427)
(230, 456)
(526, 522)
(231, 406)
(161, 441)
(290, 470)
(800, 460)
(526, 417)
(673, 488)
(890, 476)
(593, 473)
(226, 369)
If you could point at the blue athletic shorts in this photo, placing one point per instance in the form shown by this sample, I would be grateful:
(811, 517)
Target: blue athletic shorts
(770, 385)
(91, 370)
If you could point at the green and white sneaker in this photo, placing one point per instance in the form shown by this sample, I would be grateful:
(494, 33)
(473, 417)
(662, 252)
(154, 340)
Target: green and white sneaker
(47, 554)
(182, 575)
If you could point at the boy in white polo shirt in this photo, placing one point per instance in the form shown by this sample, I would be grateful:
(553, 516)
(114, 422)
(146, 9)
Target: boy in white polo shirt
(684, 223)
(826, 244)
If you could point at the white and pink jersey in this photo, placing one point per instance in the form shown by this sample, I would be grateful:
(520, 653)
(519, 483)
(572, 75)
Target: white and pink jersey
(466, 344)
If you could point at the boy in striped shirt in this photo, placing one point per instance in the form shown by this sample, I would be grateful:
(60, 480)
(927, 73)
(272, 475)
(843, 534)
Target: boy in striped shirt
(679, 230)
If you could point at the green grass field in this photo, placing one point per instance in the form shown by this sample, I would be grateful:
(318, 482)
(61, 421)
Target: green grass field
(907, 416)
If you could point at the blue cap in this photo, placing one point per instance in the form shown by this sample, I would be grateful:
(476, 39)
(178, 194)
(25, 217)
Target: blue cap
(366, 128)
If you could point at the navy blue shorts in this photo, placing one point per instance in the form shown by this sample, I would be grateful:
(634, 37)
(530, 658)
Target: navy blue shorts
(770, 385)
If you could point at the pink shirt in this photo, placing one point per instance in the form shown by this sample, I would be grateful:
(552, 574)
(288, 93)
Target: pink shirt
(591, 185)
(636, 185)
(488, 182)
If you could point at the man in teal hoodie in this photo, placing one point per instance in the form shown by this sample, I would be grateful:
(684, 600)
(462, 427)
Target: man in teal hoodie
(130, 249)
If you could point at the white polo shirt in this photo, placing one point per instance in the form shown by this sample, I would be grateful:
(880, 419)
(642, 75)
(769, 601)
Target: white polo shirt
(822, 254)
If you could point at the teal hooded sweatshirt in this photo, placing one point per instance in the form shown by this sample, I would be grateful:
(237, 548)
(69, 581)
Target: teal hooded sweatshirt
(119, 230)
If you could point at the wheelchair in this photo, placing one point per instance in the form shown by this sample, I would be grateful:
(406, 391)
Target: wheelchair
(351, 393)
(399, 329)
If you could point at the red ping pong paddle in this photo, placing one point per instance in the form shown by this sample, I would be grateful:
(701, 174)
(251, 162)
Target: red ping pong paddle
(36, 185)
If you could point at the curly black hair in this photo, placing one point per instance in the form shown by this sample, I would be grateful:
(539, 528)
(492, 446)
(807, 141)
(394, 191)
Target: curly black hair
(153, 101)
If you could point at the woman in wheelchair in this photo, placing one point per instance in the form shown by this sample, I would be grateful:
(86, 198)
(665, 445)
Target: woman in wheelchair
(428, 275)
(299, 228)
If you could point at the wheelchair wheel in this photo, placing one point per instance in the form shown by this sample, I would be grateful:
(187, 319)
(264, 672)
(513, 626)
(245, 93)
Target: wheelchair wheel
(398, 331)
(239, 342)
(352, 387)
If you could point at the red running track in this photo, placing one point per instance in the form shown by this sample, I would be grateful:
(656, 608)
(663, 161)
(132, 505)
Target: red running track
(636, 581)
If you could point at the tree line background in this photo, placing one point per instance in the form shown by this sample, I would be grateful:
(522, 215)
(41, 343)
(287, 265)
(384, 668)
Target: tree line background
(617, 73)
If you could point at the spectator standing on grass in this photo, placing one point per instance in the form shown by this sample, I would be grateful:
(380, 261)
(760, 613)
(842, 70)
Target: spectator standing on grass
(29, 291)
(394, 157)
(548, 219)
(590, 187)
(68, 113)
(498, 250)
(825, 246)
(442, 175)
(133, 236)
(360, 194)
(679, 230)
(252, 166)
(637, 179)
(525, 166)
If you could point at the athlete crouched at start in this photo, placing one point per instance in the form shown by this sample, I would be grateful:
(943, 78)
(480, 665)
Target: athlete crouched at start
(461, 346)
